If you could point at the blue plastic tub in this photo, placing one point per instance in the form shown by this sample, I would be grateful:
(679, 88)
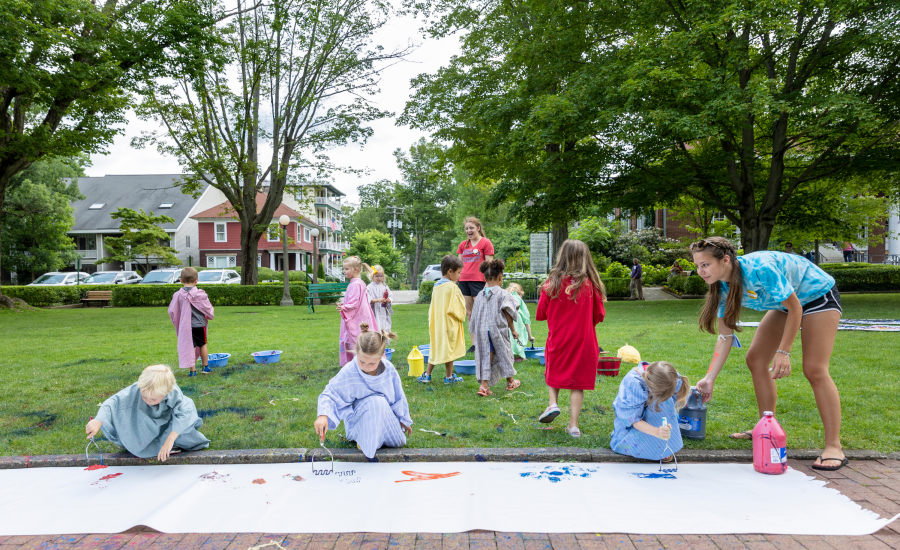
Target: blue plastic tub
(540, 356)
(268, 356)
(532, 353)
(388, 353)
(466, 366)
(218, 359)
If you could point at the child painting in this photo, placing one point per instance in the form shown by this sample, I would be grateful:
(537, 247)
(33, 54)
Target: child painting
(190, 311)
(380, 297)
(522, 322)
(367, 396)
(446, 314)
(354, 309)
(647, 394)
(491, 326)
(151, 418)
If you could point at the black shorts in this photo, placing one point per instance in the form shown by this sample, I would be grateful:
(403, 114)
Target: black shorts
(830, 301)
(198, 334)
(470, 288)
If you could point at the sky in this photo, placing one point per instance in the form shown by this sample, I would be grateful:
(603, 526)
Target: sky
(376, 155)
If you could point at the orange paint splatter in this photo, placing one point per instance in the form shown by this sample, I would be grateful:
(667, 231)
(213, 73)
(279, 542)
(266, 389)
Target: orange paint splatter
(717, 354)
(259, 481)
(419, 476)
(95, 467)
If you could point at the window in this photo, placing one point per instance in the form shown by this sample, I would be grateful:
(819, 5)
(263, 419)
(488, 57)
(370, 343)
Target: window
(167, 205)
(221, 261)
(306, 236)
(97, 206)
(221, 232)
(259, 260)
(273, 235)
(187, 242)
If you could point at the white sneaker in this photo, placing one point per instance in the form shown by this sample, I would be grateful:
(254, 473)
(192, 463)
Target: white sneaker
(549, 414)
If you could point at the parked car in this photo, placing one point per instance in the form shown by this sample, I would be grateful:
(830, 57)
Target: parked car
(55, 278)
(432, 273)
(219, 276)
(113, 278)
(162, 277)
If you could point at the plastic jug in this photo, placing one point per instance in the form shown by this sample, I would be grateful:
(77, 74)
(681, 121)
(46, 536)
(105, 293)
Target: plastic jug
(692, 418)
(416, 362)
(769, 446)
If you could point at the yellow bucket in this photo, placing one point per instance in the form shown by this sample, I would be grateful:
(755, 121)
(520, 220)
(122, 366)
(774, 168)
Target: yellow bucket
(416, 362)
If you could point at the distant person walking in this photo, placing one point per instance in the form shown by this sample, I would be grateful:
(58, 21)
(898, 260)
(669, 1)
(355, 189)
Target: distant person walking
(848, 251)
(637, 282)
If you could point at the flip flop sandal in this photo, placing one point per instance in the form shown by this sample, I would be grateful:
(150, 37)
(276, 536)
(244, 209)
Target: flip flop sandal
(748, 433)
(510, 386)
(484, 392)
(668, 459)
(824, 468)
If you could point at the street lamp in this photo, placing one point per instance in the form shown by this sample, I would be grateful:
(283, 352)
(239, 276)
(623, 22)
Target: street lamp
(284, 220)
(314, 233)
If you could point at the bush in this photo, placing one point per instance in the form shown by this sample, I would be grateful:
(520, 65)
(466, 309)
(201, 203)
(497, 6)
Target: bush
(425, 289)
(601, 262)
(655, 275)
(693, 285)
(869, 278)
(617, 287)
(616, 271)
(43, 296)
(219, 295)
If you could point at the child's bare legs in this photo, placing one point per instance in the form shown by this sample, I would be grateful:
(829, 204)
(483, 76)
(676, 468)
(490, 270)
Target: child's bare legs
(428, 368)
(554, 396)
(576, 400)
(204, 355)
(448, 368)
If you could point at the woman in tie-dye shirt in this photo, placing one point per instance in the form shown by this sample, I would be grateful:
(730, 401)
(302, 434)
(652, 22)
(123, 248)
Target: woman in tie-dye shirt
(794, 293)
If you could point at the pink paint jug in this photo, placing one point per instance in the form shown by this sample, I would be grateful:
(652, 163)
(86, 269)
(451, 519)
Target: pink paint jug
(769, 446)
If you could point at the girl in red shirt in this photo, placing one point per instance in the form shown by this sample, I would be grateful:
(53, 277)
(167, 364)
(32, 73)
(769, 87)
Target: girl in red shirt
(473, 251)
(572, 304)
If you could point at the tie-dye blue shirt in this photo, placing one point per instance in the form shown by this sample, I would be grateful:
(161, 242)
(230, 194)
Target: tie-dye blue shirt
(771, 277)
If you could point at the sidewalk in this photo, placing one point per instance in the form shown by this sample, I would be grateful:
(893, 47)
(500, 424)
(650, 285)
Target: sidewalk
(873, 484)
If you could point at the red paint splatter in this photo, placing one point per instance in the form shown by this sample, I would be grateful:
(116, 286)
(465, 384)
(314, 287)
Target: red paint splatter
(110, 476)
(419, 476)
(295, 478)
(259, 481)
(214, 476)
(95, 467)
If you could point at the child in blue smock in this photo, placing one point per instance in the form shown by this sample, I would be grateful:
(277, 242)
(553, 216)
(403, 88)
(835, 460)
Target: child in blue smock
(647, 394)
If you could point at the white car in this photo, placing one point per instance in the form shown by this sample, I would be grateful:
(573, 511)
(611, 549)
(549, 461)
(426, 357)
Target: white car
(432, 273)
(113, 278)
(56, 278)
(162, 277)
(219, 276)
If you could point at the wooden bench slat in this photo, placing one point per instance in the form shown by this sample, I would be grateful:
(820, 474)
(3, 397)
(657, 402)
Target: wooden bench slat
(324, 290)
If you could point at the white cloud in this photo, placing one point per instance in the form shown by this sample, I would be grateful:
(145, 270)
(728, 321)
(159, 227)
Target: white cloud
(377, 154)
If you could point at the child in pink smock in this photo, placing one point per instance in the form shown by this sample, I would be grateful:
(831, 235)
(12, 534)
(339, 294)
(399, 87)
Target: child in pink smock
(354, 308)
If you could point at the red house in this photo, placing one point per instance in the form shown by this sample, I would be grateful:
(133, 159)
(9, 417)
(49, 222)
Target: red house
(220, 238)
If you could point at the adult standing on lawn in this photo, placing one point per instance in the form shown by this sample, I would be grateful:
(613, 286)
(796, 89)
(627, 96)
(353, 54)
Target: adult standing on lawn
(473, 251)
(637, 280)
(795, 294)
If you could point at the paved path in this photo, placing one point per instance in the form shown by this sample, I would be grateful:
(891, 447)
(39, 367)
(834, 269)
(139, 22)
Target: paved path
(656, 293)
(874, 485)
(405, 296)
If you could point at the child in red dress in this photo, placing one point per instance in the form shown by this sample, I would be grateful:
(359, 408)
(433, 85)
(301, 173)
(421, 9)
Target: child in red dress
(572, 304)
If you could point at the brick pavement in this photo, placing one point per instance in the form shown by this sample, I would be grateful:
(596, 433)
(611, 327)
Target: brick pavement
(874, 484)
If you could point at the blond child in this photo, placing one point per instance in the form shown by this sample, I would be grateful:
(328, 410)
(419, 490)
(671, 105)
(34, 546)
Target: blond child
(151, 418)
(354, 308)
(380, 297)
(648, 394)
(190, 311)
(445, 322)
(367, 396)
(522, 322)
(492, 330)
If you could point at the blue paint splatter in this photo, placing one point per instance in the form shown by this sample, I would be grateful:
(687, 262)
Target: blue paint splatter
(653, 476)
(480, 458)
(555, 474)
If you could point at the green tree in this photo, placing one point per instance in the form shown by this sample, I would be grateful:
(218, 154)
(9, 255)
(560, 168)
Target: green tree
(66, 68)
(37, 216)
(375, 247)
(294, 83)
(142, 238)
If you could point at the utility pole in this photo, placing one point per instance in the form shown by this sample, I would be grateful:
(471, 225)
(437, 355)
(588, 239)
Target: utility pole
(394, 224)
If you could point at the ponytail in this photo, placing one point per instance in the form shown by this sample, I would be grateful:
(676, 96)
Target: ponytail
(371, 342)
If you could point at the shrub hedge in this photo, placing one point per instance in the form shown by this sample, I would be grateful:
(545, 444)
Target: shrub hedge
(617, 287)
(867, 279)
(43, 296)
(425, 288)
(692, 285)
(157, 295)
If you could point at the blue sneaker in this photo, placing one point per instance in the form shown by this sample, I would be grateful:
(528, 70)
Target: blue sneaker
(454, 379)
(206, 370)
(425, 378)
(192, 373)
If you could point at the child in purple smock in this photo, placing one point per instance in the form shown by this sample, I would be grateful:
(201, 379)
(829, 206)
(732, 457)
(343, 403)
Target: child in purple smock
(354, 308)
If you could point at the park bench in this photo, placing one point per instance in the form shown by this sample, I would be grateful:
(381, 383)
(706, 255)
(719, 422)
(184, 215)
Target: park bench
(324, 290)
(96, 296)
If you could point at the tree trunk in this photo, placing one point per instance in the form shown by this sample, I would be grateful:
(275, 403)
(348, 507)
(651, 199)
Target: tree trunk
(420, 242)
(4, 183)
(559, 232)
(249, 251)
(817, 253)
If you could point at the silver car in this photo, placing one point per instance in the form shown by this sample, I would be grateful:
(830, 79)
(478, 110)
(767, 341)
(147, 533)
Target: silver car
(113, 278)
(432, 273)
(56, 278)
(218, 276)
(162, 277)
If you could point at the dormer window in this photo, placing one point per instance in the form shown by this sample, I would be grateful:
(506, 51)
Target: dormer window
(167, 205)
(97, 206)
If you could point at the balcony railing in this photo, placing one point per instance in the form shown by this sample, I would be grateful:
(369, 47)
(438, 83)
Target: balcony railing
(333, 245)
(327, 201)
(87, 254)
(323, 222)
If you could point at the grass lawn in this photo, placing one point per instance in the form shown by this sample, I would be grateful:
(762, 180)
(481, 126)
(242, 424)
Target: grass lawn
(57, 366)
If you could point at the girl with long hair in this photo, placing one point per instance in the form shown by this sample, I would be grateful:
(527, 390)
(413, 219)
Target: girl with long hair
(473, 251)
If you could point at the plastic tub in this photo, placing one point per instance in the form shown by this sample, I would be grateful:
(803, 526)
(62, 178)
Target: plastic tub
(532, 353)
(218, 359)
(268, 356)
(540, 357)
(609, 366)
(388, 353)
(466, 366)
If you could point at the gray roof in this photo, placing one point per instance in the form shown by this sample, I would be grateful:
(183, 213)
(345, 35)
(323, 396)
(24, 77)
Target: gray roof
(137, 192)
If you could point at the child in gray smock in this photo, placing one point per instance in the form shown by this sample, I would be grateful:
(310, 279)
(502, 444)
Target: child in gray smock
(151, 418)
(491, 327)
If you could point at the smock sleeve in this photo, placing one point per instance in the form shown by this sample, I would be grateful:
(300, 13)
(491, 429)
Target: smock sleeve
(631, 400)
(352, 300)
(184, 413)
(109, 407)
(335, 403)
(456, 305)
(400, 406)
